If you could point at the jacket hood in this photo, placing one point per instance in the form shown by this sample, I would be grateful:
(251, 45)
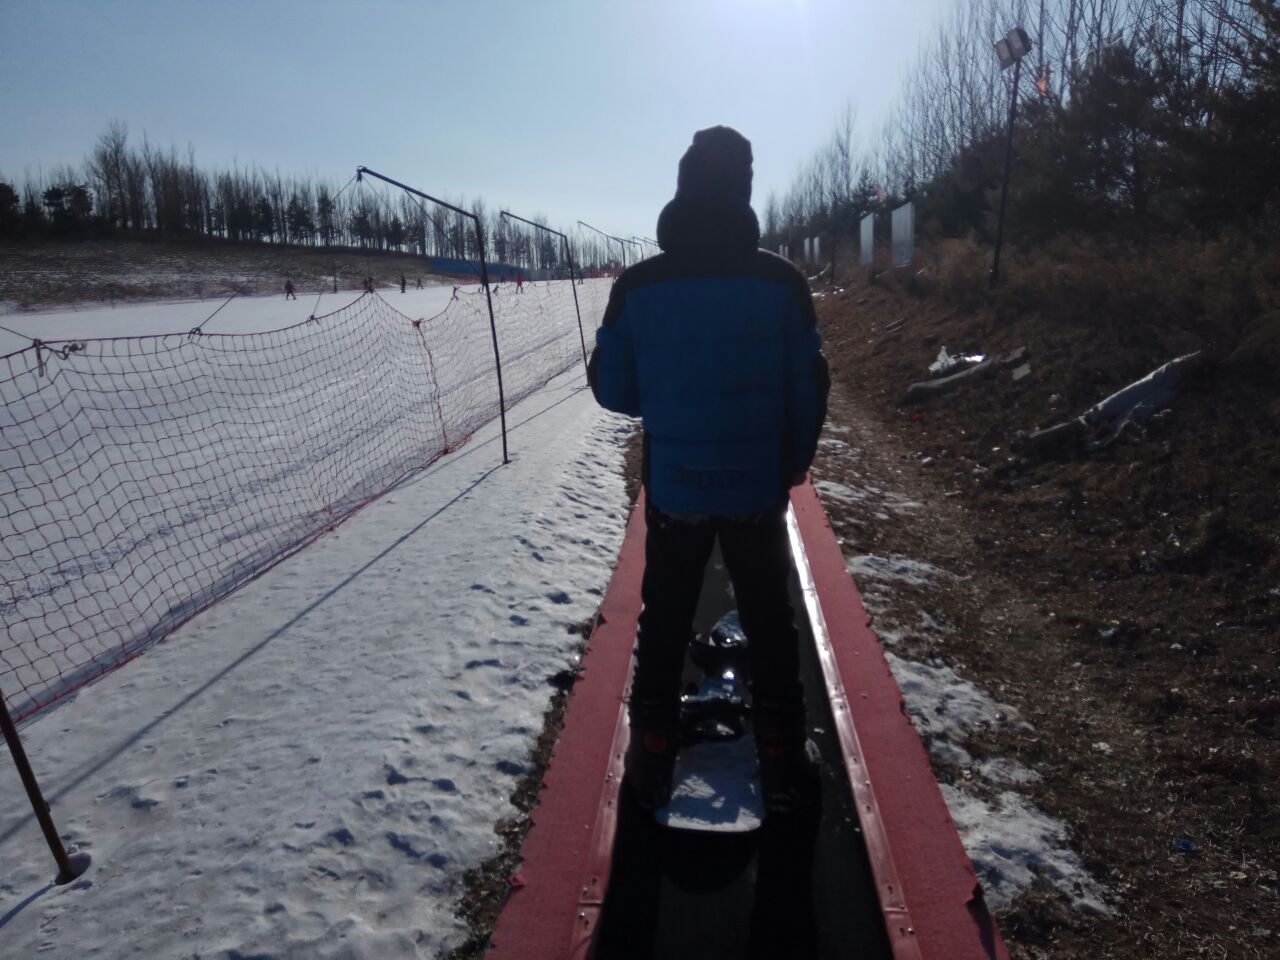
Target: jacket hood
(705, 228)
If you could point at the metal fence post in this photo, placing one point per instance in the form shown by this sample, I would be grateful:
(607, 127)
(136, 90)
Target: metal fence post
(573, 285)
(493, 329)
(68, 867)
(568, 253)
(484, 279)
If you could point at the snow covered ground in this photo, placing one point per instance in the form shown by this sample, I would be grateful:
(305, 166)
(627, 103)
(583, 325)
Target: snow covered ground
(308, 768)
(1014, 846)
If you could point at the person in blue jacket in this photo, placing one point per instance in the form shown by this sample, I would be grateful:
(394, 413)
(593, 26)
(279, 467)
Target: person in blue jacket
(714, 343)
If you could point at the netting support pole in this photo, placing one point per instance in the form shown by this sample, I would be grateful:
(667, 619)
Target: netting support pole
(484, 279)
(68, 867)
(493, 328)
(573, 285)
(573, 282)
(622, 244)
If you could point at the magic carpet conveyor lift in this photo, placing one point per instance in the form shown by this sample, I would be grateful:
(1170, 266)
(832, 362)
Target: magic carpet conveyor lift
(882, 872)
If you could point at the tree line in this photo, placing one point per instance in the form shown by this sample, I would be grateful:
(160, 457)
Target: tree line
(1135, 117)
(122, 189)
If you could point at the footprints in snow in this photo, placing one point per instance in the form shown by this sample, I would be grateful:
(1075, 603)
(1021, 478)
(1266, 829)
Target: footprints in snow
(138, 796)
(437, 860)
(533, 551)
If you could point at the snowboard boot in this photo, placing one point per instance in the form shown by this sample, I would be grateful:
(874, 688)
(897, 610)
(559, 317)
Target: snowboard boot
(651, 754)
(789, 760)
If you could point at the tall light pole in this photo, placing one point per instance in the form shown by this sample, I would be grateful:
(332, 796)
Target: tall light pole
(1010, 48)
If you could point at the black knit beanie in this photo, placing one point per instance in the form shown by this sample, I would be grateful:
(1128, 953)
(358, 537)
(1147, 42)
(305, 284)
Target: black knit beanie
(717, 166)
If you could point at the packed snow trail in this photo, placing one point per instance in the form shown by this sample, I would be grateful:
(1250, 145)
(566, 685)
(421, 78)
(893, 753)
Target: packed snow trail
(308, 768)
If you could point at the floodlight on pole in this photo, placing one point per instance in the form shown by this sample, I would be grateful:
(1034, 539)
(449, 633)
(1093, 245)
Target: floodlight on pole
(1019, 43)
(1004, 53)
(1010, 48)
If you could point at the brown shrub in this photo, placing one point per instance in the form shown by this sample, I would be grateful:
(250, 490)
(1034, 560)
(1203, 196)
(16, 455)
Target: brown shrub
(961, 273)
(1258, 353)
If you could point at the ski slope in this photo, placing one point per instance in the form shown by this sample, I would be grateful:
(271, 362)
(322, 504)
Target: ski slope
(214, 315)
(308, 768)
(145, 477)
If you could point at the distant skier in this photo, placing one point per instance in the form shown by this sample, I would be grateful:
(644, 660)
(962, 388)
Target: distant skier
(519, 283)
(402, 283)
(715, 344)
(289, 293)
(419, 287)
(368, 284)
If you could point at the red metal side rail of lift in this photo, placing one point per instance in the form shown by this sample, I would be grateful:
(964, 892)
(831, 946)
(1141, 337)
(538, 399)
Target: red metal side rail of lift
(931, 900)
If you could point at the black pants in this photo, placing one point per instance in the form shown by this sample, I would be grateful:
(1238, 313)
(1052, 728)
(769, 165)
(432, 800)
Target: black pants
(757, 553)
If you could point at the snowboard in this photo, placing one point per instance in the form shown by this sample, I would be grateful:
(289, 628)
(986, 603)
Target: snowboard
(716, 783)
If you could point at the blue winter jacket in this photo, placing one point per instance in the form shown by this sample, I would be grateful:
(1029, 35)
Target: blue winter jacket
(718, 351)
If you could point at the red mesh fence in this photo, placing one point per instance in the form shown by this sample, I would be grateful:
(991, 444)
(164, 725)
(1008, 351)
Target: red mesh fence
(145, 478)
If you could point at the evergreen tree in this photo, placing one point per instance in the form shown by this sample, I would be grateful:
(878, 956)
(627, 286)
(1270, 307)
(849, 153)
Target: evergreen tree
(264, 220)
(10, 222)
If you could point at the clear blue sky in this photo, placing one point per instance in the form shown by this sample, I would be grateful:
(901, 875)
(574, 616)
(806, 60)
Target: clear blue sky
(578, 109)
